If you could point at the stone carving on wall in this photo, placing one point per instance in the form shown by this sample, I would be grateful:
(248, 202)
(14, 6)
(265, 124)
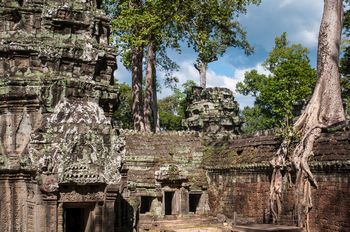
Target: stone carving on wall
(57, 96)
(78, 144)
(56, 92)
(170, 172)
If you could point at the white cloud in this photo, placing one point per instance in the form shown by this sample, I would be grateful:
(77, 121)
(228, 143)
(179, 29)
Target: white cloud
(285, 3)
(308, 37)
(188, 72)
(122, 74)
(299, 18)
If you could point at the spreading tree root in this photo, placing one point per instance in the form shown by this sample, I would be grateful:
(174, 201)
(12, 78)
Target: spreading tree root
(278, 163)
(324, 109)
(304, 178)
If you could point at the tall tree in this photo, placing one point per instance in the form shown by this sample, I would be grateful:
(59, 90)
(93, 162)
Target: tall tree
(280, 95)
(141, 25)
(161, 33)
(210, 27)
(323, 110)
(127, 27)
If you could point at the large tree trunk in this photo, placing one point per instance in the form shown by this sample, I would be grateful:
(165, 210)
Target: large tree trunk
(137, 102)
(324, 109)
(150, 88)
(136, 62)
(202, 69)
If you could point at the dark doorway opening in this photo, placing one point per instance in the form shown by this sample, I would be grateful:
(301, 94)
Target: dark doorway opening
(168, 201)
(146, 203)
(194, 201)
(76, 219)
(124, 216)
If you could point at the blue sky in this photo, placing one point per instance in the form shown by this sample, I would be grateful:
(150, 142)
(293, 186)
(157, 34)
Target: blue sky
(299, 18)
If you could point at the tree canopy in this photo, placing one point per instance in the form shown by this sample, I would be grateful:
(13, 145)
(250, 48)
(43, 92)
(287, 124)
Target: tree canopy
(139, 26)
(281, 94)
(210, 27)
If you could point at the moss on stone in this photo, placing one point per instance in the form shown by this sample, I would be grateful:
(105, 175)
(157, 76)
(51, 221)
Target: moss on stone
(220, 156)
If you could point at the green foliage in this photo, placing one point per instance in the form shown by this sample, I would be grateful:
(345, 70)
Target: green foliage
(280, 95)
(122, 117)
(210, 27)
(110, 7)
(172, 108)
(255, 119)
(170, 111)
(346, 24)
(345, 61)
(252, 83)
(137, 22)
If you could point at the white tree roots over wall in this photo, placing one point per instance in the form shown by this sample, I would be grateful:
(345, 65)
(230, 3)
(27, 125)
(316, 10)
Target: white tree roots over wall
(323, 110)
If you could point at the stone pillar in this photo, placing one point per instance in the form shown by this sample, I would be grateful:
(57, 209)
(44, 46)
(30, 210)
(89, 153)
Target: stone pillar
(16, 213)
(14, 202)
(109, 214)
(184, 207)
(5, 204)
(60, 217)
(50, 204)
(98, 217)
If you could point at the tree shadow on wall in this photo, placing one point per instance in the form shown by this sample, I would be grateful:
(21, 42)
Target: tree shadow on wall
(127, 215)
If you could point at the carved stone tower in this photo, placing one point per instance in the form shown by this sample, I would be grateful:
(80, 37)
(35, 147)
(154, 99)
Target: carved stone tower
(59, 155)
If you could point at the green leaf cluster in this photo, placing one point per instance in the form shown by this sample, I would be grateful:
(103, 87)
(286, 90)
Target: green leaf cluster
(122, 117)
(281, 94)
(345, 60)
(172, 108)
(137, 22)
(211, 26)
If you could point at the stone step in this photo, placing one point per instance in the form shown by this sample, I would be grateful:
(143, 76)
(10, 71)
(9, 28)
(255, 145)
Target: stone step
(265, 227)
(195, 224)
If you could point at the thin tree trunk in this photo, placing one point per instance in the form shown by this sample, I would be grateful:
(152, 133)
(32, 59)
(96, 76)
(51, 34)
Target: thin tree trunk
(202, 69)
(149, 88)
(155, 100)
(324, 109)
(137, 103)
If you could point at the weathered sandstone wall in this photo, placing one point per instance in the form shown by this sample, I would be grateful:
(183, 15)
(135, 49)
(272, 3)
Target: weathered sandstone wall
(239, 181)
(237, 174)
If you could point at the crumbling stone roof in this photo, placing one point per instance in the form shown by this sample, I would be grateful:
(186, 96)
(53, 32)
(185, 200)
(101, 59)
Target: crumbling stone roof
(212, 110)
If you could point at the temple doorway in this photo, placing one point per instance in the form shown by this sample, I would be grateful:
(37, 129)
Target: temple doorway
(78, 220)
(193, 201)
(168, 203)
(146, 203)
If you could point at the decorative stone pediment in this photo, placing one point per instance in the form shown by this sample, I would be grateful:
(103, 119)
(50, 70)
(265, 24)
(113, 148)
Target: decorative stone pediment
(78, 144)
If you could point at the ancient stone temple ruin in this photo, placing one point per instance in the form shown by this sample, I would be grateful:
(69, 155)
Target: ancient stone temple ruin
(60, 158)
(212, 110)
(64, 167)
